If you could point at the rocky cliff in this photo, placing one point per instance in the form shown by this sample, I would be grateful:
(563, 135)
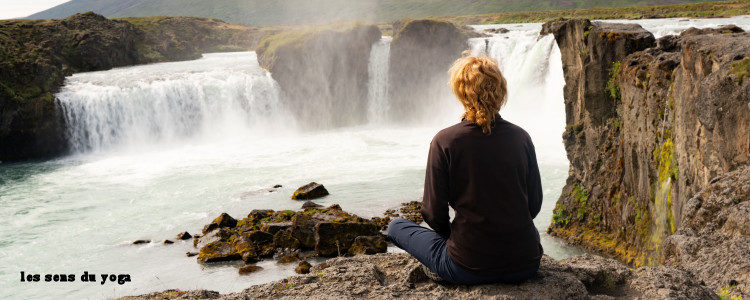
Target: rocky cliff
(36, 56)
(649, 124)
(421, 53)
(322, 71)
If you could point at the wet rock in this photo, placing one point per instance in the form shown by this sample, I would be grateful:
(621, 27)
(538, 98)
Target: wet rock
(167, 242)
(311, 190)
(274, 228)
(218, 252)
(139, 242)
(368, 245)
(497, 30)
(310, 204)
(184, 235)
(191, 254)
(244, 270)
(276, 186)
(258, 237)
(303, 267)
(726, 29)
(332, 239)
(250, 258)
(284, 239)
(220, 235)
(341, 61)
(421, 52)
(289, 258)
(225, 220)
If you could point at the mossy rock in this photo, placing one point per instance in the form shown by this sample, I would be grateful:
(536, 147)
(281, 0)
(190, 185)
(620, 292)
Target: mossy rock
(368, 245)
(244, 270)
(218, 252)
(311, 190)
(333, 239)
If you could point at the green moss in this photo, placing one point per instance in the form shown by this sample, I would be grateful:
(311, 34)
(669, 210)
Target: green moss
(581, 197)
(612, 88)
(666, 159)
(741, 69)
(559, 216)
(584, 52)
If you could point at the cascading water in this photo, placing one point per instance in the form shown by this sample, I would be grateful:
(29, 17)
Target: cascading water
(532, 66)
(378, 81)
(218, 95)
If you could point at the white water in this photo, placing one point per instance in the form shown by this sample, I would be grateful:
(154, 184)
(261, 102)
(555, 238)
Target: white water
(378, 82)
(167, 147)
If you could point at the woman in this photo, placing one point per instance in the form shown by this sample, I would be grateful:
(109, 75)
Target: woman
(485, 168)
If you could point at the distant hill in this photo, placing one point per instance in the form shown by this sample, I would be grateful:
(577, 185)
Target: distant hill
(278, 12)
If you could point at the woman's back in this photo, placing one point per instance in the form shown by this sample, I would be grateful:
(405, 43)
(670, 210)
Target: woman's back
(492, 182)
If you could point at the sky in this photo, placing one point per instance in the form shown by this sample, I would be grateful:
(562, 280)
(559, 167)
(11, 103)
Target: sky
(10, 9)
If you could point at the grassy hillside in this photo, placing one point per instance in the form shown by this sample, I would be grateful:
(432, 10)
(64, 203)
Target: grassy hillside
(262, 12)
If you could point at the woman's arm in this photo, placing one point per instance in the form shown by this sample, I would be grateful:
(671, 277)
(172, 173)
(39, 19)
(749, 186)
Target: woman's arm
(435, 200)
(533, 183)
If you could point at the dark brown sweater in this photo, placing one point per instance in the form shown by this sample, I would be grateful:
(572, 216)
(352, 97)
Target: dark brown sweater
(493, 184)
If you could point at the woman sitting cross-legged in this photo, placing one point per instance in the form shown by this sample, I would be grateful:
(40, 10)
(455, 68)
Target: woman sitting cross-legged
(485, 168)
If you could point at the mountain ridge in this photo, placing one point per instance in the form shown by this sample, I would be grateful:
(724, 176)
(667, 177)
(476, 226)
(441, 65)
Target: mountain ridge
(284, 12)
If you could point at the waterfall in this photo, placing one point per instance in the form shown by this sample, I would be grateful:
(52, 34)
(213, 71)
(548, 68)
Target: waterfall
(532, 66)
(377, 68)
(218, 95)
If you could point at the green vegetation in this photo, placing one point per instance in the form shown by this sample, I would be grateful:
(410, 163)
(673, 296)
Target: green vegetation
(258, 12)
(558, 214)
(581, 196)
(741, 69)
(614, 76)
(692, 10)
(666, 160)
(725, 293)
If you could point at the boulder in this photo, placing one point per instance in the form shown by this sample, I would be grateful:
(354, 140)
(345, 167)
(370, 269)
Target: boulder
(218, 252)
(184, 235)
(311, 190)
(310, 204)
(250, 258)
(303, 267)
(244, 270)
(368, 245)
(285, 240)
(274, 228)
(332, 239)
(139, 242)
(168, 242)
(289, 258)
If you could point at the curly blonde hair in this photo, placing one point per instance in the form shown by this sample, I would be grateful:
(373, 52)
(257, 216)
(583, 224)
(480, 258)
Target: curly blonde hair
(480, 87)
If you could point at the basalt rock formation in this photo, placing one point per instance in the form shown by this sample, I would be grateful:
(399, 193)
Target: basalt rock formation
(399, 276)
(421, 52)
(322, 71)
(36, 56)
(649, 125)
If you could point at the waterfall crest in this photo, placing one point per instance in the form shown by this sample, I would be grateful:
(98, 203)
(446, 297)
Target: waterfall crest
(378, 81)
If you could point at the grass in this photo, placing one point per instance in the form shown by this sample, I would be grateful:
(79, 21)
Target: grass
(612, 88)
(692, 10)
(741, 69)
(264, 13)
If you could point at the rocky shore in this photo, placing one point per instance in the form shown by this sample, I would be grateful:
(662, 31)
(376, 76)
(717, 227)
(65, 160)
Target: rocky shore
(399, 276)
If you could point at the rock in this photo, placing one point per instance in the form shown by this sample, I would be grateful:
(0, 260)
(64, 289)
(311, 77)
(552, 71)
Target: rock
(337, 77)
(726, 29)
(244, 270)
(218, 252)
(310, 204)
(138, 242)
(368, 245)
(303, 267)
(184, 235)
(167, 242)
(225, 220)
(303, 230)
(496, 30)
(284, 239)
(220, 235)
(274, 228)
(664, 282)
(332, 239)
(258, 237)
(602, 276)
(647, 128)
(311, 190)
(289, 258)
(276, 186)
(250, 258)
(421, 52)
(713, 243)
(191, 254)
